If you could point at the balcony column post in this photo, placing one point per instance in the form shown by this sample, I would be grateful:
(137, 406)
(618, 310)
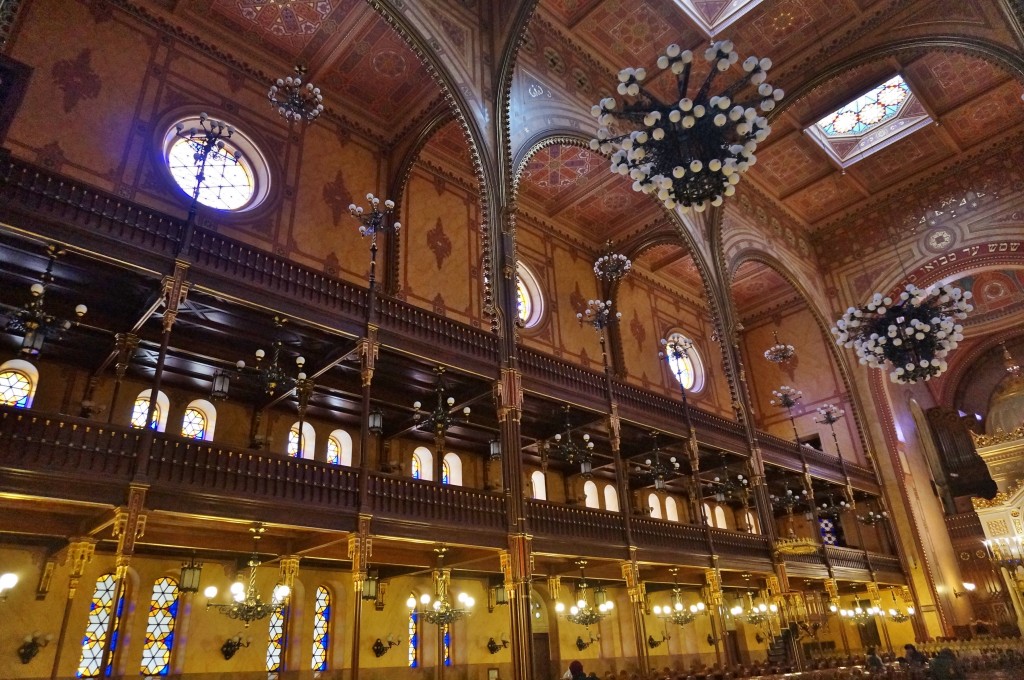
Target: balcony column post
(360, 547)
(637, 607)
(716, 603)
(77, 556)
(129, 526)
(124, 346)
(369, 349)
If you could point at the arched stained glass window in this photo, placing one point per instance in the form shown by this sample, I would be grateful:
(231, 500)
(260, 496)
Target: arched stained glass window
(446, 639)
(417, 467)
(15, 388)
(446, 472)
(590, 497)
(414, 640)
(540, 486)
(193, 425)
(423, 464)
(452, 469)
(529, 299)
(301, 447)
(611, 498)
(139, 411)
(163, 612)
(99, 624)
(321, 628)
(671, 509)
(275, 641)
(654, 503)
(339, 448)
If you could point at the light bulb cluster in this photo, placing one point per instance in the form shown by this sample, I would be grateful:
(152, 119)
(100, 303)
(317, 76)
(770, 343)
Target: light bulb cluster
(612, 267)
(295, 100)
(441, 610)
(780, 352)
(873, 518)
(860, 615)
(913, 333)
(830, 414)
(756, 614)
(598, 313)
(786, 396)
(690, 153)
(678, 613)
(374, 221)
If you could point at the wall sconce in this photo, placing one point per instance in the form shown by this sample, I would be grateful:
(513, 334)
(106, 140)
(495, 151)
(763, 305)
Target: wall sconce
(652, 643)
(233, 644)
(712, 640)
(581, 644)
(968, 589)
(495, 449)
(33, 643)
(190, 573)
(379, 648)
(7, 581)
(493, 647)
(375, 421)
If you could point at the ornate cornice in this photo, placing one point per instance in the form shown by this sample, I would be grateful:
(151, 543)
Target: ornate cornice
(1000, 499)
(998, 437)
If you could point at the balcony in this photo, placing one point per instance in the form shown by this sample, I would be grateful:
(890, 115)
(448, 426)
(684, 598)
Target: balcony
(59, 457)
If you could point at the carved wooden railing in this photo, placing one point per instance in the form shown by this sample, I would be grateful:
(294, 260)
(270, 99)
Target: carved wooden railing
(450, 506)
(198, 466)
(412, 321)
(784, 452)
(259, 268)
(888, 564)
(66, 446)
(553, 520)
(666, 535)
(738, 544)
(847, 558)
(67, 202)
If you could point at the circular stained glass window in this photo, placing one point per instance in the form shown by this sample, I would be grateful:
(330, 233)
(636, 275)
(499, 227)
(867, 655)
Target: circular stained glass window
(684, 362)
(232, 174)
(529, 301)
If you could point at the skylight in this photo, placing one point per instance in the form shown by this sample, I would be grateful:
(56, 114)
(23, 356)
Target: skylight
(714, 15)
(869, 123)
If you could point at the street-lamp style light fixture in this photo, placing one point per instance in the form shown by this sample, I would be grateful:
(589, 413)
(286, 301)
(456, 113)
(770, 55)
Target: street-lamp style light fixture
(33, 322)
(563, 447)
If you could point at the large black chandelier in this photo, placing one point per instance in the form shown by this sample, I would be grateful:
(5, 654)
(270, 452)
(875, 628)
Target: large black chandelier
(612, 266)
(689, 153)
(725, 486)
(246, 604)
(295, 100)
(913, 333)
(563, 447)
(439, 419)
(657, 466)
(32, 321)
(677, 612)
(591, 605)
(270, 374)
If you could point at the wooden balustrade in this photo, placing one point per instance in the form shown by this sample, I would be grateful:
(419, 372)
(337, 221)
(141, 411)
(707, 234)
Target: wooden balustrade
(847, 558)
(574, 522)
(741, 544)
(265, 270)
(192, 466)
(453, 506)
(407, 320)
(888, 566)
(667, 535)
(33, 189)
(48, 444)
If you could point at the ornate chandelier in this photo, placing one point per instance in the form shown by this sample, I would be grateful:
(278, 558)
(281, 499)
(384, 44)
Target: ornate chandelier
(271, 375)
(440, 418)
(295, 101)
(913, 334)
(612, 266)
(590, 608)
(32, 321)
(564, 448)
(677, 612)
(779, 353)
(689, 153)
(247, 605)
(441, 609)
(832, 509)
(656, 466)
(859, 615)
(756, 614)
(873, 518)
(723, 487)
(598, 313)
